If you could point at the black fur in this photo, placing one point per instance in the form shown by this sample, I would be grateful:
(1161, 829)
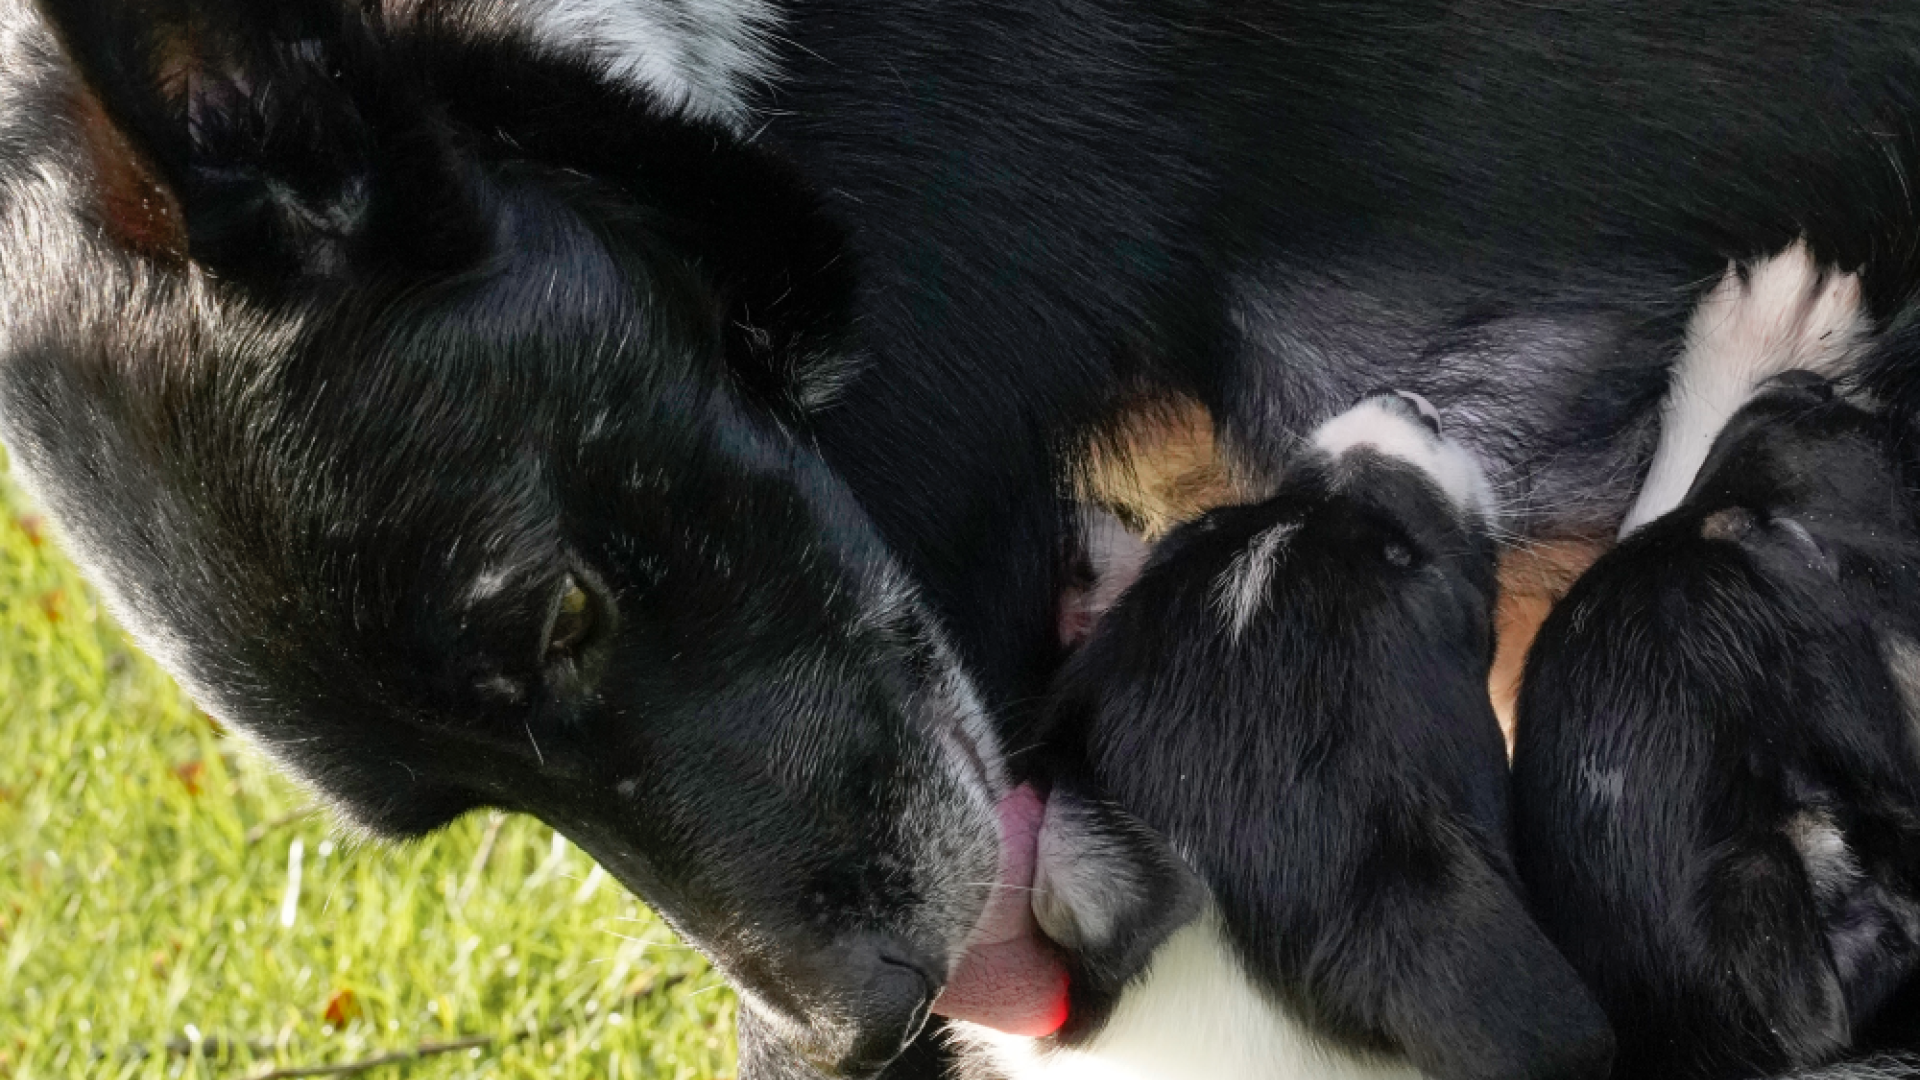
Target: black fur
(340, 460)
(1333, 771)
(314, 321)
(1718, 769)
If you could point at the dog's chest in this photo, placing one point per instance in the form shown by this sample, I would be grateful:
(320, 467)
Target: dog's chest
(1194, 1015)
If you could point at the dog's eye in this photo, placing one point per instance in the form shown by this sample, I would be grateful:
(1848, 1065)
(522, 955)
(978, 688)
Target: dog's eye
(1397, 554)
(573, 622)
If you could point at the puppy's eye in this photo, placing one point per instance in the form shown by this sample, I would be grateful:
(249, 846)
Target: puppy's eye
(1397, 554)
(574, 619)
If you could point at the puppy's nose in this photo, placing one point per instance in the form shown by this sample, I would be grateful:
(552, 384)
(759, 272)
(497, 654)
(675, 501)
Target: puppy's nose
(886, 990)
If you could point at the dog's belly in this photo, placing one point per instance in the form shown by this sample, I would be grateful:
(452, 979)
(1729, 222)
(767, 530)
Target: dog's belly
(1558, 399)
(1194, 1015)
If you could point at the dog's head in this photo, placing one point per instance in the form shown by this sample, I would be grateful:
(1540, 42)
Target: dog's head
(1379, 528)
(432, 412)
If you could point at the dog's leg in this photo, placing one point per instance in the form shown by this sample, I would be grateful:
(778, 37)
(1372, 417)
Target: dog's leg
(1157, 463)
(1785, 314)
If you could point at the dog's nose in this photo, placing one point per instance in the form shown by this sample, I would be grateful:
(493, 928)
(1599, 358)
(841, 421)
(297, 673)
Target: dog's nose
(887, 991)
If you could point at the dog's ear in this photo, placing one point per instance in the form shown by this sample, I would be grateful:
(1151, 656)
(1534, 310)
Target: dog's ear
(1107, 888)
(1462, 979)
(268, 141)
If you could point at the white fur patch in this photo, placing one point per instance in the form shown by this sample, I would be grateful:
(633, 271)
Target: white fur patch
(1902, 656)
(1377, 425)
(1784, 317)
(1243, 585)
(1831, 868)
(1116, 554)
(1115, 557)
(1193, 1015)
(696, 57)
(1074, 897)
(489, 584)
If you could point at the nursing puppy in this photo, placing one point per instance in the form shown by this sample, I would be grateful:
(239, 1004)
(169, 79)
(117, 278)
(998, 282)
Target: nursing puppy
(1294, 695)
(1718, 768)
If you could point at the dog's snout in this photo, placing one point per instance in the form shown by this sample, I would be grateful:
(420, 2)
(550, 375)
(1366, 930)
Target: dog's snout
(886, 988)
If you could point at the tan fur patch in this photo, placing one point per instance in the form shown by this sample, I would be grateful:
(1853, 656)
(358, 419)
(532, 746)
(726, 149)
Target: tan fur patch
(1159, 465)
(136, 209)
(1532, 580)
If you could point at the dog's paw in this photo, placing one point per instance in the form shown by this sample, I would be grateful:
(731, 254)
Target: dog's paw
(1783, 314)
(1786, 313)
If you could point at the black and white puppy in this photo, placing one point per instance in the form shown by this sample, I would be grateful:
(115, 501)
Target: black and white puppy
(1718, 765)
(1294, 695)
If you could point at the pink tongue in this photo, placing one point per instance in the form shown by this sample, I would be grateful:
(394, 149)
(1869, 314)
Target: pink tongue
(1010, 979)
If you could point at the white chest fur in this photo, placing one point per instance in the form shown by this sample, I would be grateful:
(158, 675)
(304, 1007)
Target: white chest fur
(1193, 1015)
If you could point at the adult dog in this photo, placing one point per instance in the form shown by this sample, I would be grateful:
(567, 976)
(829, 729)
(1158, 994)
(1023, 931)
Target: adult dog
(651, 416)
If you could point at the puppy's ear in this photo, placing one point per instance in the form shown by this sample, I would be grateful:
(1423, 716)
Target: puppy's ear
(1108, 888)
(268, 141)
(1815, 929)
(1765, 933)
(1468, 985)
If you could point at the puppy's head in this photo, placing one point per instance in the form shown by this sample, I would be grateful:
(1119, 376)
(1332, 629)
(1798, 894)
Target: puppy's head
(1378, 521)
(1373, 554)
(429, 410)
(1813, 491)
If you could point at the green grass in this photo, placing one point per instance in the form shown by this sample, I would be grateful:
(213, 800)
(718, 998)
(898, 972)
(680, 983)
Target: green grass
(144, 861)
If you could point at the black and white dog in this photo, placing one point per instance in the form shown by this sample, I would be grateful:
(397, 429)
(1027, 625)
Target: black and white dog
(1718, 765)
(1294, 695)
(652, 415)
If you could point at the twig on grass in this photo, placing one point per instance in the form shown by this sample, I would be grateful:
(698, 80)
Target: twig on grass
(210, 1047)
(349, 1068)
(266, 828)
